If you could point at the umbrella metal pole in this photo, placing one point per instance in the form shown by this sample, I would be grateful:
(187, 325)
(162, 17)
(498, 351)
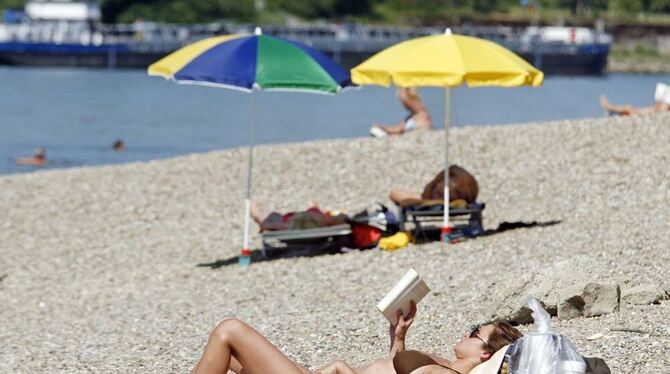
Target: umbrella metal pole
(446, 230)
(247, 210)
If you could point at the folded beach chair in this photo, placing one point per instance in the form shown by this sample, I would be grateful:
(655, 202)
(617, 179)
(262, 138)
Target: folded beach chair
(320, 237)
(467, 218)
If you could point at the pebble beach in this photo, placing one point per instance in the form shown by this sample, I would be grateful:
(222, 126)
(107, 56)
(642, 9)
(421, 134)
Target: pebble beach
(127, 268)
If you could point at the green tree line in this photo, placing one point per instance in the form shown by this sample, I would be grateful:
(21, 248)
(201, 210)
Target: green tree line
(409, 11)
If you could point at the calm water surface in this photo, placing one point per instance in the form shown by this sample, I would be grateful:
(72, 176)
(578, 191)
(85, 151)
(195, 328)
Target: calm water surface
(77, 114)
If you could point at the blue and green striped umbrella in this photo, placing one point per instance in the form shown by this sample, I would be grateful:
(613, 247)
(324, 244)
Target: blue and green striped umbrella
(253, 62)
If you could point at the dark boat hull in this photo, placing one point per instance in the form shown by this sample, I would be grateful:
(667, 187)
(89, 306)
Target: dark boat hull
(573, 60)
(73, 55)
(584, 60)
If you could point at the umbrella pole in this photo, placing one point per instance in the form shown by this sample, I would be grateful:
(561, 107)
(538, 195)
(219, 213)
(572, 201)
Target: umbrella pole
(247, 211)
(446, 230)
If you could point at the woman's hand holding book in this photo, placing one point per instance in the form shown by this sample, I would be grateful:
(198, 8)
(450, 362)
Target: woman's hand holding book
(404, 322)
(399, 331)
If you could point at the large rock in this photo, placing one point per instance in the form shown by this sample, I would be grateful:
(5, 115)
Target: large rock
(643, 295)
(569, 289)
(571, 303)
(588, 300)
(600, 299)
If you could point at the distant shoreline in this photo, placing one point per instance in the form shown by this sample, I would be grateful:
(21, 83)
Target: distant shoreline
(640, 66)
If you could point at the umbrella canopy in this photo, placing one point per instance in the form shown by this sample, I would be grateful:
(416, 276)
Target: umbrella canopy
(253, 62)
(247, 62)
(446, 60)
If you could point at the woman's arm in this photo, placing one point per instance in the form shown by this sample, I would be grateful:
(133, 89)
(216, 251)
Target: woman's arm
(398, 332)
(336, 367)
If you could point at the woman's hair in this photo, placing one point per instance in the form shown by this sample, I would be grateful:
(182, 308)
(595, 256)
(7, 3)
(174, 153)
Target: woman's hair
(462, 185)
(502, 335)
(413, 92)
(40, 153)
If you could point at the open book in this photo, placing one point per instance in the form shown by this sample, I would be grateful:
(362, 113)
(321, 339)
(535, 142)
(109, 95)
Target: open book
(410, 287)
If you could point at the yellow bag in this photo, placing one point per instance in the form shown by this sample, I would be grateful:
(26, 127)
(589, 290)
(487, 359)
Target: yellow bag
(399, 240)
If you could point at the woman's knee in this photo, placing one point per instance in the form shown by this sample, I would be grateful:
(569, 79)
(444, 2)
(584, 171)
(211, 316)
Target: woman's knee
(228, 328)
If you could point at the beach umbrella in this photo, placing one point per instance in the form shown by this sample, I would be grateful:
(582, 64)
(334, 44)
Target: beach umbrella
(446, 60)
(249, 62)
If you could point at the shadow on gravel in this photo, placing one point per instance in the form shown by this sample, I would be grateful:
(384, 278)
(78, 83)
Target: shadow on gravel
(433, 235)
(280, 253)
(274, 254)
(505, 226)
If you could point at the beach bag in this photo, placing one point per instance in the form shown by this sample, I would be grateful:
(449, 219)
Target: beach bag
(544, 350)
(365, 236)
(378, 216)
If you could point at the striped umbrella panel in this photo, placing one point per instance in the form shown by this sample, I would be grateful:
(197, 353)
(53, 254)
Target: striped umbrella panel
(256, 61)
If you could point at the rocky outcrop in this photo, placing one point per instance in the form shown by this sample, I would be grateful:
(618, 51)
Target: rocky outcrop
(572, 289)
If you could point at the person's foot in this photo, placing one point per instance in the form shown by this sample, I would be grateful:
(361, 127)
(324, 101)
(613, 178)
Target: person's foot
(378, 132)
(604, 103)
(254, 212)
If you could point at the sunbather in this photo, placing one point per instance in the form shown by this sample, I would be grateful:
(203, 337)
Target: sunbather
(417, 119)
(311, 218)
(661, 97)
(39, 159)
(629, 110)
(237, 346)
(462, 186)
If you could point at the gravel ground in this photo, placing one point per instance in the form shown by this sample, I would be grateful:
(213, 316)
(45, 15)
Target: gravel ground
(99, 266)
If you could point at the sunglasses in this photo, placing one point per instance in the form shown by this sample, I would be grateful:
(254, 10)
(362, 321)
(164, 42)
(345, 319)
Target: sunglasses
(475, 335)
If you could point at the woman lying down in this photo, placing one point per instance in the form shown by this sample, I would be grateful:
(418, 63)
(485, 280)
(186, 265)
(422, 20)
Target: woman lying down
(237, 346)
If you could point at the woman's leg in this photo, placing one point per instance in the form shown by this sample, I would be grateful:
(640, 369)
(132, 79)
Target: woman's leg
(625, 110)
(233, 340)
(405, 198)
(255, 213)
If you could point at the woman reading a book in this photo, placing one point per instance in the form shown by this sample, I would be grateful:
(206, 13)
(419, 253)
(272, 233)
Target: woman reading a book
(237, 346)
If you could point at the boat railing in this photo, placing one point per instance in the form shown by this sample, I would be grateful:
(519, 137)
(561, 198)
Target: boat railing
(64, 32)
(332, 38)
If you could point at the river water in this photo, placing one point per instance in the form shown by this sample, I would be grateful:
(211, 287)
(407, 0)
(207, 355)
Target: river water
(77, 114)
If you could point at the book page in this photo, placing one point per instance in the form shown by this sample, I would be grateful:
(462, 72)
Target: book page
(410, 287)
